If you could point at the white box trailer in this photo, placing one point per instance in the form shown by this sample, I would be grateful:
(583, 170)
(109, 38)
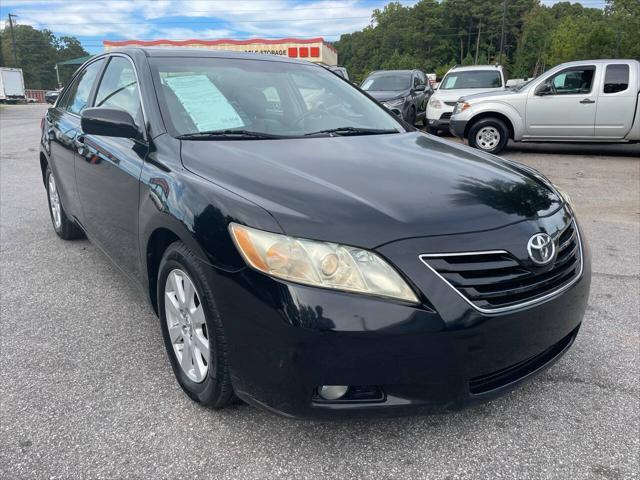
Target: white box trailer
(11, 85)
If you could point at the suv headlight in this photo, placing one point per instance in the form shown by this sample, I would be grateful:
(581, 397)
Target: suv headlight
(394, 103)
(321, 264)
(435, 103)
(461, 107)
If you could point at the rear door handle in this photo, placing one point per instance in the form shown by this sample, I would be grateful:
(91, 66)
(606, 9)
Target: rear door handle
(587, 100)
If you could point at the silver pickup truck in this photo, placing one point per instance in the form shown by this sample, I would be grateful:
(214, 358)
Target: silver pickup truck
(585, 101)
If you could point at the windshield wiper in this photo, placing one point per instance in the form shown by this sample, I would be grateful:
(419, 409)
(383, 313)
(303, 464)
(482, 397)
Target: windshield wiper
(346, 131)
(229, 134)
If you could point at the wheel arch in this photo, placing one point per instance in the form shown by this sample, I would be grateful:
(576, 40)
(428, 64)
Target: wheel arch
(481, 116)
(44, 163)
(157, 244)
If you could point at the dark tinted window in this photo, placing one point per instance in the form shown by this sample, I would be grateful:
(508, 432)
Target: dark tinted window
(119, 88)
(616, 78)
(77, 97)
(574, 81)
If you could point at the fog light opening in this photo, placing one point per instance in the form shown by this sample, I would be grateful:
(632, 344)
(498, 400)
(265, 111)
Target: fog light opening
(333, 392)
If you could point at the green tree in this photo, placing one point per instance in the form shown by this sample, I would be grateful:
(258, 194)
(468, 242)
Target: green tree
(37, 52)
(433, 35)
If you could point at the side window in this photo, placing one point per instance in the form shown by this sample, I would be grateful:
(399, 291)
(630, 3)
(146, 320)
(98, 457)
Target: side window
(574, 81)
(119, 89)
(77, 97)
(416, 80)
(423, 79)
(616, 78)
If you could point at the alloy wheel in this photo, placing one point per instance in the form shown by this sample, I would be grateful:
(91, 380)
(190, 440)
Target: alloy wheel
(487, 138)
(54, 202)
(186, 325)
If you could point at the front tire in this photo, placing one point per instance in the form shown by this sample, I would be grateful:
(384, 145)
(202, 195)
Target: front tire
(489, 135)
(432, 130)
(192, 328)
(64, 227)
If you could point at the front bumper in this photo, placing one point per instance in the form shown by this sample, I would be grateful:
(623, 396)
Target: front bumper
(458, 127)
(285, 340)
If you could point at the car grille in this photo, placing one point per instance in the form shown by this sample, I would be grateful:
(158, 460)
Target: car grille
(445, 116)
(514, 373)
(496, 281)
(451, 104)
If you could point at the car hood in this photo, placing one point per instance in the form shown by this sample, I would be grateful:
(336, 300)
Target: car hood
(499, 94)
(385, 96)
(371, 190)
(454, 95)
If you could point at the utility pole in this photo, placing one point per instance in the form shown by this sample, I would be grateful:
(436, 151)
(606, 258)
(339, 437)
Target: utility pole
(504, 16)
(478, 42)
(13, 40)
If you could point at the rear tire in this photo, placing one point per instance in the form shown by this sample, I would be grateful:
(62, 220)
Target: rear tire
(186, 302)
(489, 135)
(64, 227)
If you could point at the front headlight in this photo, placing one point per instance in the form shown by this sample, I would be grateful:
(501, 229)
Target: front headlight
(435, 103)
(394, 103)
(321, 264)
(461, 107)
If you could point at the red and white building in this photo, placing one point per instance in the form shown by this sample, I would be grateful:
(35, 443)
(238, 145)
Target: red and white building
(312, 49)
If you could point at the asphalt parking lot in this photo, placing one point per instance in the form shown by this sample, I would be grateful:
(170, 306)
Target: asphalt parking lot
(86, 390)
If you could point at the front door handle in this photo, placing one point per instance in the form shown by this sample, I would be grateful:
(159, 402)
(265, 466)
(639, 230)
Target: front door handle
(79, 144)
(587, 100)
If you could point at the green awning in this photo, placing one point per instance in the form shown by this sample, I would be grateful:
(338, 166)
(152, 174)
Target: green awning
(76, 61)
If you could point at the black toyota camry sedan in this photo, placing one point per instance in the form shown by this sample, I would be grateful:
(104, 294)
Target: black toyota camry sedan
(304, 249)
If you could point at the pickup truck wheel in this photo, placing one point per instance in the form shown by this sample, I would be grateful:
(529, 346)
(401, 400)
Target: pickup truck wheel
(192, 328)
(64, 227)
(489, 135)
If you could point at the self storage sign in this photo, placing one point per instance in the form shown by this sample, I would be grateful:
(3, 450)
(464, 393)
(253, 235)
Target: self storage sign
(311, 49)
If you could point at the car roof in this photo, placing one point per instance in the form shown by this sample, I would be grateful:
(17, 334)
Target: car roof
(475, 67)
(391, 72)
(206, 53)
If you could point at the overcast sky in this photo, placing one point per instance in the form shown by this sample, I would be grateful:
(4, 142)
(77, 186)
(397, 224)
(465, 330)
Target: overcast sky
(95, 20)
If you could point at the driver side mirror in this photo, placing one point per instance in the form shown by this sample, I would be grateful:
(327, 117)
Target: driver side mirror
(419, 88)
(544, 89)
(109, 122)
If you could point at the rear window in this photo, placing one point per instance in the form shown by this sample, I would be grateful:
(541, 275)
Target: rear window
(616, 78)
(472, 79)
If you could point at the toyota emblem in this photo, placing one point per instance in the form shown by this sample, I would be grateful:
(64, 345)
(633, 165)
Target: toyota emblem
(541, 248)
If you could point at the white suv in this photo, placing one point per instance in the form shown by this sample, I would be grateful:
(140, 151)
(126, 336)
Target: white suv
(460, 81)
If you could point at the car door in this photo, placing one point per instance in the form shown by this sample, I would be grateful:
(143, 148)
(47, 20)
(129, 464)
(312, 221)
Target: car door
(616, 101)
(418, 95)
(563, 106)
(108, 170)
(424, 94)
(64, 126)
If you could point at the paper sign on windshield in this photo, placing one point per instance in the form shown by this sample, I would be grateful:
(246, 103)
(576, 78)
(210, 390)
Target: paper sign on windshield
(208, 108)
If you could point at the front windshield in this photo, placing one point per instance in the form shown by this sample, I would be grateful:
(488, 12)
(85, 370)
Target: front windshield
(471, 79)
(273, 98)
(386, 83)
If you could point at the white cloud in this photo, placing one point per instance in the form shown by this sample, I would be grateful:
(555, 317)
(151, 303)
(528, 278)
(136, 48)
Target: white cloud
(117, 19)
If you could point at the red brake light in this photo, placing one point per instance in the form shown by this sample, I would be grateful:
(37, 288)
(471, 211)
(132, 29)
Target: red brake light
(42, 123)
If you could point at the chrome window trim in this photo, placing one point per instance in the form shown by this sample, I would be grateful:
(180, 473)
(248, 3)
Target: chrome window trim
(517, 306)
